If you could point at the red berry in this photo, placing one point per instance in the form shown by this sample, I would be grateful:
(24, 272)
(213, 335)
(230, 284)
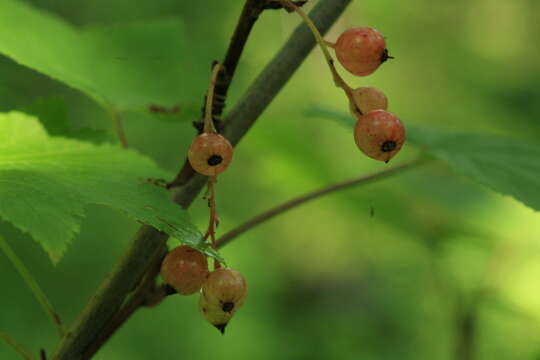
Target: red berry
(368, 98)
(210, 154)
(361, 50)
(185, 269)
(379, 134)
(223, 293)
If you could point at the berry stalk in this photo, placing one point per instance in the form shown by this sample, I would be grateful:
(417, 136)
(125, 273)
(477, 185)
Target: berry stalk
(210, 128)
(208, 122)
(338, 80)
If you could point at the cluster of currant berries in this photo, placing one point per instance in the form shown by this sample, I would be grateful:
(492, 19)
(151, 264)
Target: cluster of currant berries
(222, 291)
(378, 133)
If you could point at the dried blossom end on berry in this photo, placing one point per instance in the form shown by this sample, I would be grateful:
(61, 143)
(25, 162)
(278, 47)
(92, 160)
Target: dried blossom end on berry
(386, 56)
(388, 146)
(214, 160)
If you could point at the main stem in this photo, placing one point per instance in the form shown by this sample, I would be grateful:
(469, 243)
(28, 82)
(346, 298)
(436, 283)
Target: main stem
(144, 251)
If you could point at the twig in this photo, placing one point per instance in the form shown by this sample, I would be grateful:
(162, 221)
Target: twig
(139, 298)
(147, 246)
(276, 5)
(142, 252)
(19, 349)
(280, 209)
(32, 285)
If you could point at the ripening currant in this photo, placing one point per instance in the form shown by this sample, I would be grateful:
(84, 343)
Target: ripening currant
(185, 269)
(223, 293)
(361, 50)
(210, 154)
(379, 134)
(367, 98)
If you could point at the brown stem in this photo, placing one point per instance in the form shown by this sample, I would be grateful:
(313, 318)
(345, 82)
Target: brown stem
(280, 209)
(140, 296)
(276, 4)
(148, 241)
(213, 218)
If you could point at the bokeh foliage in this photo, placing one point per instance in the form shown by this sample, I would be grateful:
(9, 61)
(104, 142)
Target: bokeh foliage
(385, 271)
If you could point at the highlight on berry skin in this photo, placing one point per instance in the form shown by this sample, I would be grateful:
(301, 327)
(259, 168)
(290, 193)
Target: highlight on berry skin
(210, 154)
(185, 269)
(367, 98)
(361, 50)
(222, 294)
(379, 134)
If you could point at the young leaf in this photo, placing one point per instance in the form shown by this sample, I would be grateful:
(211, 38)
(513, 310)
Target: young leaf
(504, 164)
(128, 67)
(45, 183)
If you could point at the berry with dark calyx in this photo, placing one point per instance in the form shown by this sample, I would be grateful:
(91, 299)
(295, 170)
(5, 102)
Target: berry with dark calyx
(210, 154)
(223, 293)
(367, 98)
(379, 134)
(361, 50)
(185, 269)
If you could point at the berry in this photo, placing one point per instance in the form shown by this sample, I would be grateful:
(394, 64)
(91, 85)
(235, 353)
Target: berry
(368, 98)
(379, 134)
(210, 154)
(185, 269)
(223, 293)
(361, 50)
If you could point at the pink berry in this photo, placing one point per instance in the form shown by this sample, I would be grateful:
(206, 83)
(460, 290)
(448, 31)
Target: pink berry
(185, 269)
(368, 98)
(379, 134)
(210, 154)
(361, 50)
(223, 293)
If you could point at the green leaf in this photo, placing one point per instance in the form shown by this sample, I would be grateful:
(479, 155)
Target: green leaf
(504, 164)
(45, 183)
(51, 112)
(122, 67)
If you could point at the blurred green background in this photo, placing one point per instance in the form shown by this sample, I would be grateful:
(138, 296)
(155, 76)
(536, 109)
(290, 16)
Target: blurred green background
(411, 267)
